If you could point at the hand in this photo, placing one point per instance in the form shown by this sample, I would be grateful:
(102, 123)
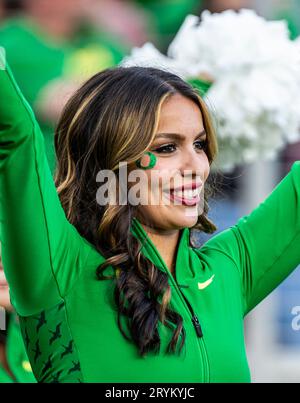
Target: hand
(218, 6)
(206, 77)
(53, 97)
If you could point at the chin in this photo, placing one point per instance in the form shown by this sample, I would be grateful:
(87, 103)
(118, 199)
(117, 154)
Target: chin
(186, 219)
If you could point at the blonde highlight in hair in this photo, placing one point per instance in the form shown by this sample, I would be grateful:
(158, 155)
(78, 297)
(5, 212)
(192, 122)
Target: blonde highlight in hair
(113, 118)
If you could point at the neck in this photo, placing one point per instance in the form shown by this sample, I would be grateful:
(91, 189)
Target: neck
(166, 242)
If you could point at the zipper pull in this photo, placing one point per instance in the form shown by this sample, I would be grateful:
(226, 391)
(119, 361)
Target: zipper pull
(197, 326)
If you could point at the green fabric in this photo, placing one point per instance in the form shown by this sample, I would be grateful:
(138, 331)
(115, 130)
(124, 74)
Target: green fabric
(36, 60)
(168, 15)
(47, 263)
(16, 356)
(201, 85)
(289, 11)
(49, 343)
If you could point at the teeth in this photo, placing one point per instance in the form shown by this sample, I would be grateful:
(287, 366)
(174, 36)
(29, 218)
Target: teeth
(187, 194)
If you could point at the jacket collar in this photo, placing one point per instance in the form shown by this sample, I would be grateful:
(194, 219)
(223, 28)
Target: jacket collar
(150, 251)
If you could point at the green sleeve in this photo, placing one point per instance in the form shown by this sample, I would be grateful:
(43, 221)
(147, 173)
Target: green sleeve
(265, 245)
(42, 252)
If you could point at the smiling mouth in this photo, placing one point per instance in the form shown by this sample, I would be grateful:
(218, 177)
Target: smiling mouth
(190, 197)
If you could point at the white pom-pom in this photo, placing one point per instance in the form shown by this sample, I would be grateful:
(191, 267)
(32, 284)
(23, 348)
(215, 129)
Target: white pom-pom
(255, 67)
(149, 56)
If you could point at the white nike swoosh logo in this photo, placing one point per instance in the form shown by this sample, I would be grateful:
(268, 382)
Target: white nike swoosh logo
(201, 286)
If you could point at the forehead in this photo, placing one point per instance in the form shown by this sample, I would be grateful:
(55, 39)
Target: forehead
(179, 114)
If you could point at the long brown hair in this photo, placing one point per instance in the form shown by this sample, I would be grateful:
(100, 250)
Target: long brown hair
(113, 118)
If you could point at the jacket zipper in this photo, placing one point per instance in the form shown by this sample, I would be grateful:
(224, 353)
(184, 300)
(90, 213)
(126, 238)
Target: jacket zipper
(194, 318)
(199, 333)
(196, 324)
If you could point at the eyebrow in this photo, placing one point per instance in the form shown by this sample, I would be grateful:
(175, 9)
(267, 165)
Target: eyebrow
(177, 136)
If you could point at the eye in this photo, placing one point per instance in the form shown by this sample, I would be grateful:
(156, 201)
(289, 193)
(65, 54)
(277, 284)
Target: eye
(201, 144)
(168, 148)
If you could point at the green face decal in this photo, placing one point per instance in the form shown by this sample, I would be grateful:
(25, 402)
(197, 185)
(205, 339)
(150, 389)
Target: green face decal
(151, 164)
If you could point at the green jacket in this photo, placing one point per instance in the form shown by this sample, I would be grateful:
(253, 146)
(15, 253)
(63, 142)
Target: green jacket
(46, 60)
(67, 319)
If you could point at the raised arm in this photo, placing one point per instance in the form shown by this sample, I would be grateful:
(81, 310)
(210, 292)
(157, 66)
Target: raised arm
(42, 252)
(265, 245)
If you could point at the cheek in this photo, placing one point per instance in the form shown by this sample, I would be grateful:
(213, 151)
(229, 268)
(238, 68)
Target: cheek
(166, 168)
(171, 168)
(164, 172)
(202, 167)
(206, 168)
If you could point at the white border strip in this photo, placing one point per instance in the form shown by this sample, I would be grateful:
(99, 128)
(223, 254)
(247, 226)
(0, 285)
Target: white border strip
(2, 318)
(2, 59)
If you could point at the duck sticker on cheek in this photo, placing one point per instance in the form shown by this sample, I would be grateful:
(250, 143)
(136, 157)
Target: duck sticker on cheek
(147, 161)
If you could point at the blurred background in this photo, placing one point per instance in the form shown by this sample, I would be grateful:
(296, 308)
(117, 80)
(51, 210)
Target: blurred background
(55, 45)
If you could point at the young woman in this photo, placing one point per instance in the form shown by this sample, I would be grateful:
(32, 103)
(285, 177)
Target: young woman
(119, 292)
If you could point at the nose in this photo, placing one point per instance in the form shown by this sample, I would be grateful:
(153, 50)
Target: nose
(195, 164)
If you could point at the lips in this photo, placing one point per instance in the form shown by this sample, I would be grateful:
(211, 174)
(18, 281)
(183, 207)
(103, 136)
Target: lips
(184, 199)
(189, 186)
(188, 195)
